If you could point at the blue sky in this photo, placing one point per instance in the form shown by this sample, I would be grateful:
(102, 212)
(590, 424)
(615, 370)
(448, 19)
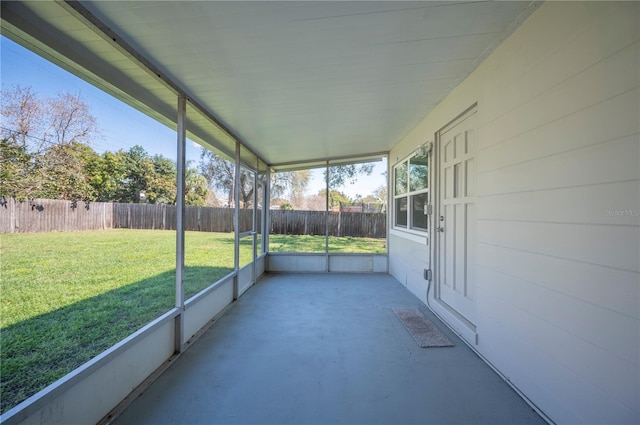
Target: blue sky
(121, 126)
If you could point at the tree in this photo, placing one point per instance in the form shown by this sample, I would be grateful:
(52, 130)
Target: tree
(247, 187)
(220, 174)
(139, 172)
(23, 118)
(66, 167)
(339, 175)
(38, 124)
(22, 123)
(19, 175)
(196, 191)
(107, 176)
(290, 184)
(146, 178)
(45, 143)
(315, 203)
(134, 176)
(335, 197)
(69, 120)
(161, 184)
(381, 193)
(45, 153)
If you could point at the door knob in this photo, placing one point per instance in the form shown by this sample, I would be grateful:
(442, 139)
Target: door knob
(439, 229)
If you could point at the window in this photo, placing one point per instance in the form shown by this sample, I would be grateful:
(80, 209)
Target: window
(411, 193)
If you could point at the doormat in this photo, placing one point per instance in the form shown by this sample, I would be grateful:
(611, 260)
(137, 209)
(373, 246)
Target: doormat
(421, 329)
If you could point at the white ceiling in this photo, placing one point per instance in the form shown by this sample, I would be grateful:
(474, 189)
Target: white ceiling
(294, 81)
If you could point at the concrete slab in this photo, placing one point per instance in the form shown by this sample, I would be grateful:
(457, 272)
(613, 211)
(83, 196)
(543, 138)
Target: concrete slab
(326, 349)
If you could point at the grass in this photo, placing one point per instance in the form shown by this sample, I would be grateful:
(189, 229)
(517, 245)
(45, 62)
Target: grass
(66, 297)
(343, 244)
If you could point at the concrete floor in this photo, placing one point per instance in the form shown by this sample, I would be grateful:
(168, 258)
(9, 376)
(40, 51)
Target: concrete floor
(326, 349)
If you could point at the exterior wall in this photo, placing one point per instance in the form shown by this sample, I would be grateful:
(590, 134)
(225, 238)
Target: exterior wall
(320, 263)
(260, 265)
(289, 262)
(201, 309)
(408, 257)
(557, 251)
(245, 278)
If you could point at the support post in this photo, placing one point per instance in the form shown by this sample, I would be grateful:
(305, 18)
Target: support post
(181, 142)
(389, 206)
(326, 215)
(236, 221)
(266, 212)
(254, 224)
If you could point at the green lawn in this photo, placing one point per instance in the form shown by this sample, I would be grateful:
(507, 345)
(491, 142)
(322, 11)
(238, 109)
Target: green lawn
(306, 243)
(67, 296)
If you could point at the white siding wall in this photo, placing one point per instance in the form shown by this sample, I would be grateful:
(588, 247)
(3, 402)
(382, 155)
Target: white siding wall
(558, 160)
(410, 258)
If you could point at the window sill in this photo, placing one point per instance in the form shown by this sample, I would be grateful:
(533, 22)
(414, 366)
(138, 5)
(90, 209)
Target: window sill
(412, 235)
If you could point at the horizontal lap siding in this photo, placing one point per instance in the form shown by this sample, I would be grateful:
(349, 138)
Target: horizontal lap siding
(558, 262)
(409, 260)
(558, 194)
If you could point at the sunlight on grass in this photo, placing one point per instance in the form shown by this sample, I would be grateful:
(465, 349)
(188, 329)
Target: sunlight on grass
(343, 244)
(349, 244)
(42, 272)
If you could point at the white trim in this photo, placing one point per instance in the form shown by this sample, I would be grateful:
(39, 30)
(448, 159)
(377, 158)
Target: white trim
(408, 194)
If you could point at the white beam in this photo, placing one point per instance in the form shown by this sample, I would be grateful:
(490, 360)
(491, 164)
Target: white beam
(181, 142)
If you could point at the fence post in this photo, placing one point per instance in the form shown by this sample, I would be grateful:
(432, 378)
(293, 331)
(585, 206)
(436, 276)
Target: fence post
(374, 227)
(12, 212)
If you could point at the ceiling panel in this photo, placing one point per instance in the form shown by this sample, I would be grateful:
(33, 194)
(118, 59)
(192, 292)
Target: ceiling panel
(304, 81)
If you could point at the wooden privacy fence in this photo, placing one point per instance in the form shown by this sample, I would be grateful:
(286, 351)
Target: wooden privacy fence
(364, 225)
(163, 217)
(47, 215)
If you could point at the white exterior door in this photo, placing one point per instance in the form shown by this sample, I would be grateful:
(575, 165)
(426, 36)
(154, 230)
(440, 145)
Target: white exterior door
(455, 218)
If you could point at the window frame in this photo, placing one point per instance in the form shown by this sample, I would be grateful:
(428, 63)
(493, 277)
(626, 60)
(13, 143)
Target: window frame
(409, 196)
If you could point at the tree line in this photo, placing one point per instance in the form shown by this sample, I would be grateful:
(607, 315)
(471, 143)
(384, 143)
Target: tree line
(45, 152)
